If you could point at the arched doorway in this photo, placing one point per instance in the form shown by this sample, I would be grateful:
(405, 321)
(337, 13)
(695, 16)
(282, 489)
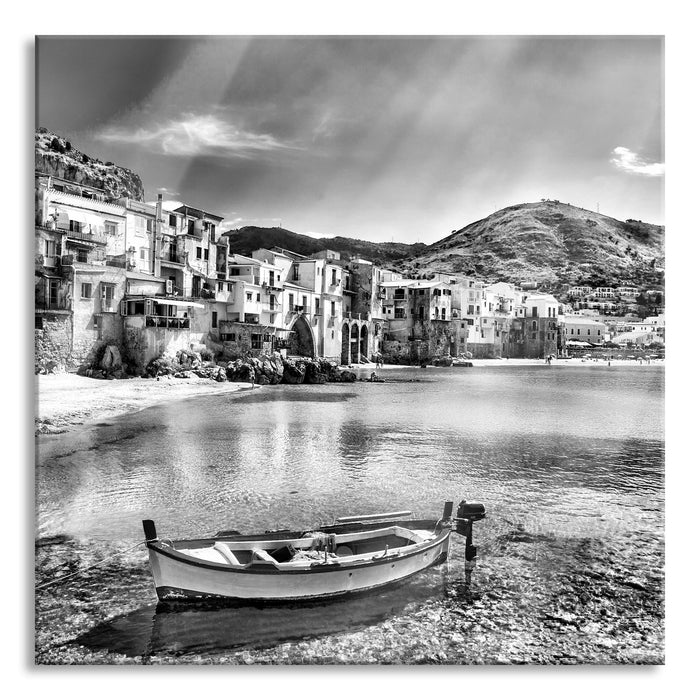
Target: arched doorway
(354, 344)
(345, 346)
(301, 341)
(364, 337)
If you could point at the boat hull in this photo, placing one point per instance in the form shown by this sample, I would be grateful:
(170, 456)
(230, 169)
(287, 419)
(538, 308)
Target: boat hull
(179, 578)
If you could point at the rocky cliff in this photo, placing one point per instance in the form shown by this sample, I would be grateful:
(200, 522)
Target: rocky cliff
(56, 156)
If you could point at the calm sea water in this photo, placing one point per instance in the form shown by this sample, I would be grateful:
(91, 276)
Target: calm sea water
(567, 460)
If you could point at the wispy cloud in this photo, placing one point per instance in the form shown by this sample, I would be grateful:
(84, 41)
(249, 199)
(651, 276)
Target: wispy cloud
(241, 221)
(197, 135)
(166, 191)
(631, 162)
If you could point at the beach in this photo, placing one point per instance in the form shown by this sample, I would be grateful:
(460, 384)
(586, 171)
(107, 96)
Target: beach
(66, 401)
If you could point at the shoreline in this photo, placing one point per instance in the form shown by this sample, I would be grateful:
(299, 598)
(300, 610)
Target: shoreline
(64, 402)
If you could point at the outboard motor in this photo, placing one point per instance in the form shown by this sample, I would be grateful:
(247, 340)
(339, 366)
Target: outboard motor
(467, 515)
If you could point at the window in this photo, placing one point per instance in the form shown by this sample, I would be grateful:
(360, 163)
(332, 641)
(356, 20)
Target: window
(303, 301)
(442, 314)
(97, 325)
(214, 319)
(470, 310)
(150, 225)
(462, 325)
(257, 297)
(82, 255)
(219, 286)
(332, 308)
(76, 226)
(317, 305)
(400, 313)
(470, 321)
(206, 253)
(256, 341)
(291, 301)
(190, 227)
(534, 325)
(332, 335)
(199, 252)
(108, 295)
(85, 290)
(110, 228)
(249, 296)
(334, 278)
(229, 286)
(143, 253)
(295, 272)
(172, 220)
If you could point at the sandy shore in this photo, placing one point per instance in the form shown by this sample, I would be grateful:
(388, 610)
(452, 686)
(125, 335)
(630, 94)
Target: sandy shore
(64, 401)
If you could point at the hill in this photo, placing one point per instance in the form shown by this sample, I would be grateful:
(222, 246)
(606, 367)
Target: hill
(246, 239)
(551, 244)
(56, 156)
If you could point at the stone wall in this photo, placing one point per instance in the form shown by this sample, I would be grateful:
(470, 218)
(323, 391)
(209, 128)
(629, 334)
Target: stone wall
(52, 342)
(143, 344)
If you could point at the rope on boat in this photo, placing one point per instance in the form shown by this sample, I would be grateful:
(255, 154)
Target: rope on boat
(46, 584)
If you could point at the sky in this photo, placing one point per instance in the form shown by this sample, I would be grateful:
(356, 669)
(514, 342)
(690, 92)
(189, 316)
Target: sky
(399, 139)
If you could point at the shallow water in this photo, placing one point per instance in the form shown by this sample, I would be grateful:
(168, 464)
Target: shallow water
(567, 460)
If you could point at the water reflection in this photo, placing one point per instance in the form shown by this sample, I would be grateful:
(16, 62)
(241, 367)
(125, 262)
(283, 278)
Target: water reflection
(199, 630)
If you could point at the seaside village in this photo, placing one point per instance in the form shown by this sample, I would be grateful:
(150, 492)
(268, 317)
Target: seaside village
(152, 282)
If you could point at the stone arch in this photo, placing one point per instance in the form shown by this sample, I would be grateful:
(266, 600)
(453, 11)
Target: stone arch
(345, 345)
(354, 343)
(301, 341)
(364, 341)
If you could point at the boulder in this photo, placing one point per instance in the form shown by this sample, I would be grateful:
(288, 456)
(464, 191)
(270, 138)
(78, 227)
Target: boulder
(111, 358)
(294, 371)
(314, 373)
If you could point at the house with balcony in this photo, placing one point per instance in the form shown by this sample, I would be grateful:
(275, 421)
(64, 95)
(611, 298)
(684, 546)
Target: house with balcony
(77, 290)
(368, 297)
(534, 330)
(417, 319)
(577, 330)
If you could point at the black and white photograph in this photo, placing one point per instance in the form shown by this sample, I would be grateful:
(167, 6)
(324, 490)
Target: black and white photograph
(349, 350)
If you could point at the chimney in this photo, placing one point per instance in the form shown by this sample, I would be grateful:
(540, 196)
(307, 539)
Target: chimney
(157, 236)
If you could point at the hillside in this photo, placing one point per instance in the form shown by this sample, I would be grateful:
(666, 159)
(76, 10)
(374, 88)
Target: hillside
(551, 244)
(248, 238)
(54, 155)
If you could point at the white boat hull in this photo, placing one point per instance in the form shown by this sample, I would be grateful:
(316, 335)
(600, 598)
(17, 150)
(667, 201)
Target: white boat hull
(180, 577)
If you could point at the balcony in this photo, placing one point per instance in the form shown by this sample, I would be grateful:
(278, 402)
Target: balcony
(109, 306)
(51, 305)
(87, 237)
(169, 322)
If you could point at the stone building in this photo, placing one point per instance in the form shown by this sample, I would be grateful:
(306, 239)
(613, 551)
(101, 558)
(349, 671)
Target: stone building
(534, 330)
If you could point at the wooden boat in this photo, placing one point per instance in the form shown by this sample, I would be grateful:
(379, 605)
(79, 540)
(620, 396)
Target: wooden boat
(355, 553)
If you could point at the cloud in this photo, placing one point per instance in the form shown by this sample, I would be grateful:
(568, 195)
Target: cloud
(196, 135)
(630, 162)
(165, 190)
